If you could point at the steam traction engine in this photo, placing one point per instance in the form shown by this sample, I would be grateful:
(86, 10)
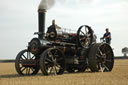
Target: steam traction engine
(55, 53)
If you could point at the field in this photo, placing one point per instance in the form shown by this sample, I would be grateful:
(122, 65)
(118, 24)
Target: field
(119, 76)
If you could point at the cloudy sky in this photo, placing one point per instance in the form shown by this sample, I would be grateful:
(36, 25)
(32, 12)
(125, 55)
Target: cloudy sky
(19, 20)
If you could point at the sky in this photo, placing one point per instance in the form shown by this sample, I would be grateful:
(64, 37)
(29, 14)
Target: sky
(19, 20)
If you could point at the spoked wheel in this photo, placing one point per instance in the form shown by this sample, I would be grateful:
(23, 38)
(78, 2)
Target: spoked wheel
(52, 62)
(26, 63)
(85, 36)
(101, 58)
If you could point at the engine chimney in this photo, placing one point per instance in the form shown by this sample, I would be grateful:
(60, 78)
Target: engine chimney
(43, 6)
(41, 22)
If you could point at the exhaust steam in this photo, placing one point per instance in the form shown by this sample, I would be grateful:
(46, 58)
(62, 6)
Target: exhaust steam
(46, 4)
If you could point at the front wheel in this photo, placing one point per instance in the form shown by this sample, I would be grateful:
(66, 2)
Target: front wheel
(26, 63)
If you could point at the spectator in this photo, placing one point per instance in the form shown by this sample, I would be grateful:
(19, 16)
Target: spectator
(107, 36)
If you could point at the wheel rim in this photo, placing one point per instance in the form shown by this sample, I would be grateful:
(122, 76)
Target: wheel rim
(23, 69)
(104, 58)
(85, 36)
(52, 62)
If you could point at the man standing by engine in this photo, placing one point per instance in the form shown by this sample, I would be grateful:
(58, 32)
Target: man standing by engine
(107, 36)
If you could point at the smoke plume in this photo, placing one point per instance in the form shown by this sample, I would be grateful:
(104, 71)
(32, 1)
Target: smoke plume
(46, 4)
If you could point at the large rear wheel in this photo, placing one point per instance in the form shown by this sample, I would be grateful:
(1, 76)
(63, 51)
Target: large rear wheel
(52, 62)
(101, 57)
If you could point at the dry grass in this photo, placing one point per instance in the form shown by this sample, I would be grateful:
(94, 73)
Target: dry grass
(119, 76)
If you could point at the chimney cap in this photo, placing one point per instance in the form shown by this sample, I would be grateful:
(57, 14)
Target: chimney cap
(41, 10)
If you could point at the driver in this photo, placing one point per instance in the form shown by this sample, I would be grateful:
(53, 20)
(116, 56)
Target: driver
(54, 31)
(51, 32)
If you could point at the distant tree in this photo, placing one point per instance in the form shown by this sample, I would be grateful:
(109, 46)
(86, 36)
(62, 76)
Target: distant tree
(125, 51)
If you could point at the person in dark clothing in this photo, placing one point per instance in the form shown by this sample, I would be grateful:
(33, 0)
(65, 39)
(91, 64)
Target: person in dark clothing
(51, 32)
(107, 36)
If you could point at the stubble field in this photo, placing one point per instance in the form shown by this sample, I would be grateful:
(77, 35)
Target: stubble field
(119, 76)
